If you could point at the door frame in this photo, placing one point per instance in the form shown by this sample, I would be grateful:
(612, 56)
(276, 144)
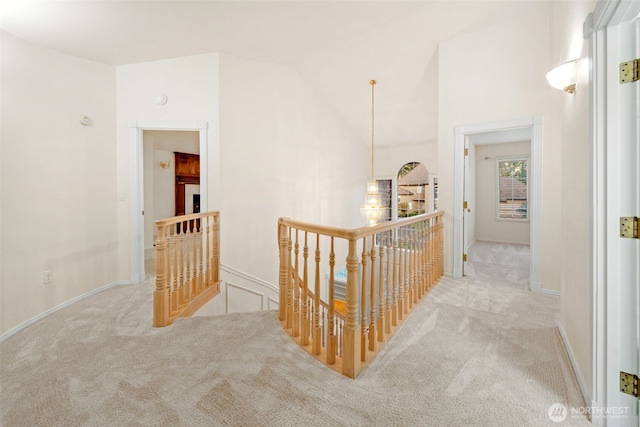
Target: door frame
(136, 179)
(462, 133)
(605, 198)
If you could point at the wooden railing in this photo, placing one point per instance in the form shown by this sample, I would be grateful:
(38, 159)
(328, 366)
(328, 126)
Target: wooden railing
(187, 265)
(390, 266)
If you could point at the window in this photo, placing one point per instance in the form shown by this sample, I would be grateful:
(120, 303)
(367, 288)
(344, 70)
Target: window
(513, 194)
(413, 190)
(384, 187)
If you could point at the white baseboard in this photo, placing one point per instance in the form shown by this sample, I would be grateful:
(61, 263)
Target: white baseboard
(574, 364)
(59, 307)
(552, 292)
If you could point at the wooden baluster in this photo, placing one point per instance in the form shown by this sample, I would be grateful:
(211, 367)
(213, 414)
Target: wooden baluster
(173, 260)
(160, 295)
(304, 339)
(430, 254)
(283, 272)
(201, 235)
(187, 261)
(176, 292)
(420, 258)
(181, 266)
(407, 277)
(291, 282)
(425, 257)
(402, 307)
(331, 341)
(194, 262)
(441, 249)
(373, 304)
(388, 286)
(316, 302)
(351, 364)
(381, 300)
(426, 265)
(296, 292)
(215, 253)
(415, 267)
(363, 306)
(395, 314)
(208, 249)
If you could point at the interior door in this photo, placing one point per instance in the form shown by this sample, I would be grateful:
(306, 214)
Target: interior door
(468, 225)
(623, 190)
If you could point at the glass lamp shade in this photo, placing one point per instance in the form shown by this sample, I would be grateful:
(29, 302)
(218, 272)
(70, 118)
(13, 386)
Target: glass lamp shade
(373, 209)
(564, 76)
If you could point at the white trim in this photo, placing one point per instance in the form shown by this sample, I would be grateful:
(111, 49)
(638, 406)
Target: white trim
(598, 88)
(275, 302)
(574, 363)
(136, 138)
(535, 190)
(551, 292)
(251, 291)
(60, 307)
(249, 277)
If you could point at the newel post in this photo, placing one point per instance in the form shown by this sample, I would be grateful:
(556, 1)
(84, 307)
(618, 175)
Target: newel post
(351, 353)
(161, 294)
(283, 238)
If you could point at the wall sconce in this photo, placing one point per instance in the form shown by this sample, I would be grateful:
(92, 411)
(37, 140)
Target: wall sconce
(564, 76)
(165, 164)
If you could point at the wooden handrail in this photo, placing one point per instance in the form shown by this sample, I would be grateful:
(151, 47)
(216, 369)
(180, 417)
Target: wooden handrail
(187, 265)
(390, 266)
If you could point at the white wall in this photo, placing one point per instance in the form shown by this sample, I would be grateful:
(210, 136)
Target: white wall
(488, 77)
(191, 85)
(487, 226)
(59, 203)
(575, 288)
(283, 154)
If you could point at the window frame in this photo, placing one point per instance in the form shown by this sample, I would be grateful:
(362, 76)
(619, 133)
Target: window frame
(500, 160)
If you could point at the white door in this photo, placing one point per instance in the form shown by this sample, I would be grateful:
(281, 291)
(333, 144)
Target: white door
(617, 194)
(623, 183)
(468, 196)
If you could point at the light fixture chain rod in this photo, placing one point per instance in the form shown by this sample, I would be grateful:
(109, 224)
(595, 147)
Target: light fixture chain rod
(372, 82)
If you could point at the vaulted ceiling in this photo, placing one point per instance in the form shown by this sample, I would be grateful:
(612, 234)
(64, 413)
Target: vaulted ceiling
(337, 46)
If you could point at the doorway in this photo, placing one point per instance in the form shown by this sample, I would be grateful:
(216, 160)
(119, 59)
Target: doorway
(466, 139)
(139, 226)
(168, 189)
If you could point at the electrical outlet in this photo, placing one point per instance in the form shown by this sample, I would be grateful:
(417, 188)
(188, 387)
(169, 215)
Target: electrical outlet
(47, 277)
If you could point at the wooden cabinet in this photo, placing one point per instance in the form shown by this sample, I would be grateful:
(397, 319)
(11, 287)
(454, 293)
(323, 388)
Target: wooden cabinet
(187, 172)
(187, 165)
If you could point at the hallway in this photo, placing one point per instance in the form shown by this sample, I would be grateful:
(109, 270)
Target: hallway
(498, 263)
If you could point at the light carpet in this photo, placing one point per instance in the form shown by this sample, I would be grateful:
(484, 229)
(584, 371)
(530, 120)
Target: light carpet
(470, 354)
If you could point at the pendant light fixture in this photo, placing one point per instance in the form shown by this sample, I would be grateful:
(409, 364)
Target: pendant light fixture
(373, 210)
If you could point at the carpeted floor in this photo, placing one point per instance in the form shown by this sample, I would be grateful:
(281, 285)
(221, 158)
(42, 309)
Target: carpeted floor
(472, 353)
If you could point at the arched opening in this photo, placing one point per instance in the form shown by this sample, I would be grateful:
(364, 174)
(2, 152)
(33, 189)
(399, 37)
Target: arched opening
(414, 194)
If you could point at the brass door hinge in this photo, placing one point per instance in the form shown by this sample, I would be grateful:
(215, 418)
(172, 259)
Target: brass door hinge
(465, 205)
(629, 227)
(629, 384)
(466, 151)
(630, 71)
(464, 257)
